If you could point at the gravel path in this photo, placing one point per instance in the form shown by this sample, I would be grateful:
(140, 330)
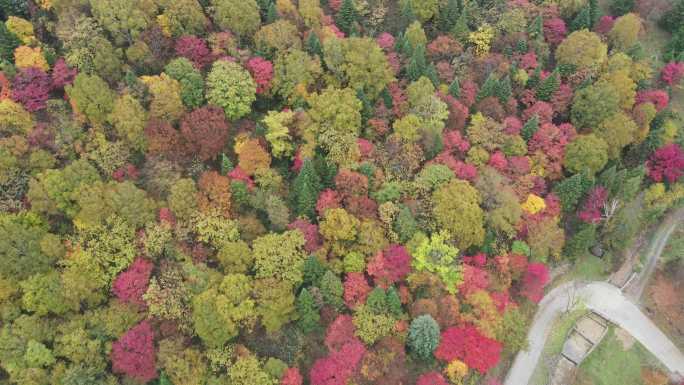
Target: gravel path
(611, 303)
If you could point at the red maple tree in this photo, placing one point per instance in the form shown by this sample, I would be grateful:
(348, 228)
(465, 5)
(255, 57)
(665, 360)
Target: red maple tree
(470, 346)
(133, 353)
(666, 163)
(536, 277)
(390, 265)
(131, 284)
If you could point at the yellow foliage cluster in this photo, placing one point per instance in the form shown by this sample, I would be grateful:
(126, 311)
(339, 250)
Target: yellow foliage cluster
(533, 204)
(22, 28)
(456, 371)
(25, 57)
(482, 39)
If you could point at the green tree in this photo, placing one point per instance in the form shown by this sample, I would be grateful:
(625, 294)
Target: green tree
(593, 104)
(275, 303)
(586, 153)
(232, 88)
(125, 19)
(44, 293)
(8, 43)
(92, 97)
(548, 87)
(455, 88)
(190, 79)
(625, 31)
(280, 256)
(346, 17)
(129, 118)
(305, 190)
(294, 69)
(572, 189)
(248, 371)
(448, 15)
(423, 336)
(336, 118)
(21, 251)
(220, 311)
(530, 128)
(278, 132)
(99, 201)
(457, 210)
(617, 131)
(240, 17)
(583, 50)
(417, 64)
(54, 191)
(513, 330)
(437, 256)
(332, 289)
(308, 312)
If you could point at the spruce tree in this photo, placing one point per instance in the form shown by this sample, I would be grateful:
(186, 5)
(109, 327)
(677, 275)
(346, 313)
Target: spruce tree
(548, 87)
(406, 17)
(572, 189)
(455, 88)
(530, 127)
(504, 90)
(393, 302)
(313, 45)
(417, 64)
(346, 18)
(332, 289)
(308, 312)
(582, 20)
(460, 31)
(595, 13)
(366, 106)
(448, 16)
(306, 187)
(431, 73)
(534, 80)
(313, 271)
(8, 42)
(271, 13)
(488, 88)
(535, 29)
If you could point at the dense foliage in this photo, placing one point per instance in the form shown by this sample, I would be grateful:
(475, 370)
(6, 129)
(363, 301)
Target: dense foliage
(261, 192)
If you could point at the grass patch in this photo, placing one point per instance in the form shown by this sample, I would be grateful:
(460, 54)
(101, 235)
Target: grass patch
(611, 364)
(554, 344)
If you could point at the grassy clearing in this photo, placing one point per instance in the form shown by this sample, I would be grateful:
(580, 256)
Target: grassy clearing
(613, 364)
(554, 344)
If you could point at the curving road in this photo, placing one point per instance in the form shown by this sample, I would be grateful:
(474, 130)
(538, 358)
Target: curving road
(611, 303)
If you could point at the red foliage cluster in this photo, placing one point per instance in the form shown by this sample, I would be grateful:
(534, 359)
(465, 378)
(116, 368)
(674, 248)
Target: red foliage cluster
(133, 353)
(127, 171)
(659, 98)
(194, 49)
(291, 377)
(62, 74)
(310, 231)
(498, 161)
(666, 163)
(444, 47)
(205, 131)
(327, 199)
(262, 73)
(555, 30)
(390, 265)
(356, 289)
(469, 91)
(470, 346)
(591, 210)
(474, 279)
(385, 41)
(351, 183)
(604, 25)
(431, 378)
(31, 87)
(536, 277)
(239, 174)
(672, 73)
(346, 352)
(163, 139)
(131, 284)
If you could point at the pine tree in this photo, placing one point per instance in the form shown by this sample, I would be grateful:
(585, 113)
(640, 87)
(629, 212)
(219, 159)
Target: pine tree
(535, 29)
(313, 271)
(226, 164)
(530, 127)
(308, 312)
(504, 90)
(582, 20)
(8, 42)
(346, 18)
(548, 87)
(535, 79)
(431, 73)
(572, 189)
(332, 289)
(455, 88)
(417, 64)
(460, 30)
(448, 16)
(488, 88)
(271, 13)
(595, 13)
(407, 16)
(367, 106)
(306, 187)
(393, 302)
(313, 45)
